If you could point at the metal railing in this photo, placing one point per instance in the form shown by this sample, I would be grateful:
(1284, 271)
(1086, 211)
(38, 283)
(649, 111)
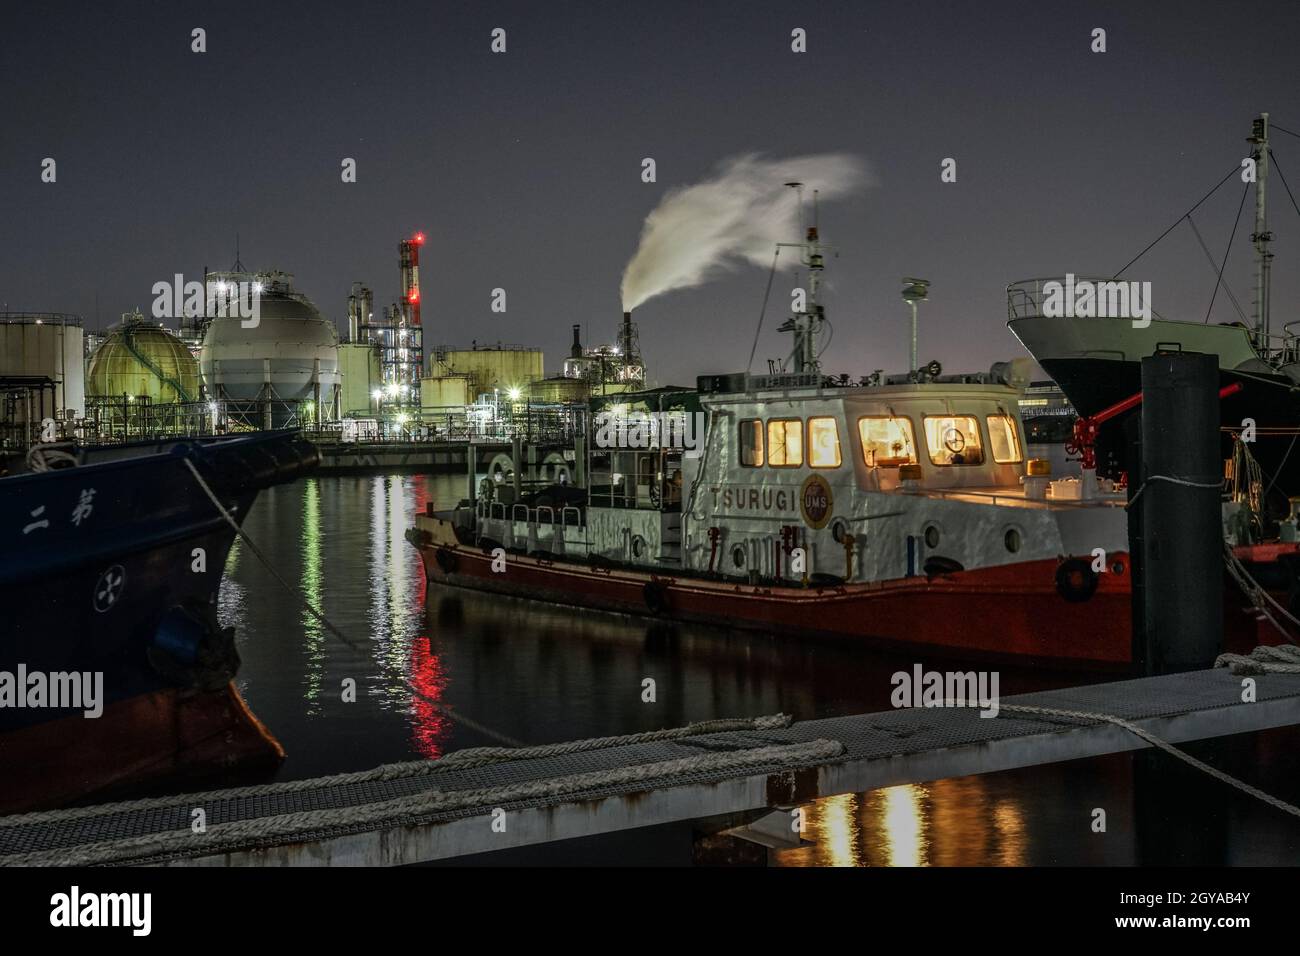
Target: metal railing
(1025, 297)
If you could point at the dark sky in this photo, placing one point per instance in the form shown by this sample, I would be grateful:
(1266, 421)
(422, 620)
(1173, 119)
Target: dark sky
(524, 168)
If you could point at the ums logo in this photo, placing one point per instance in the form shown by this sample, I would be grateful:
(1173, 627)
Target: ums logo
(816, 502)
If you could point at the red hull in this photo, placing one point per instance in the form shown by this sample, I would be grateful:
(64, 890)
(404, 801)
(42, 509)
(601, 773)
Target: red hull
(1008, 612)
(150, 738)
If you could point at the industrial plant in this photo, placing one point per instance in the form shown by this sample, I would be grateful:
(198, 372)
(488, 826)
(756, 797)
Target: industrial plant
(217, 371)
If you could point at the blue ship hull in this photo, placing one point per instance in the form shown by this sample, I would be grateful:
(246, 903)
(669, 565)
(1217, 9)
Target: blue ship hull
(110, 569)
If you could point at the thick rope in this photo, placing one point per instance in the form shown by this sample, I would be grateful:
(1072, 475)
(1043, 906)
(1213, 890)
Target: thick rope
(457, 760)
(1155, 741)
(416, 808)
(1265, 659)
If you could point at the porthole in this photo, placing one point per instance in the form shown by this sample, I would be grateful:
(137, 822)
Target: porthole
(839, 528)
(1012, 540)
(738, 556)
(932, 536)
(638, 546)
(1117, 567)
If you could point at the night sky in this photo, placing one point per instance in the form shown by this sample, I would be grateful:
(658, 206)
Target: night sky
(524, 168)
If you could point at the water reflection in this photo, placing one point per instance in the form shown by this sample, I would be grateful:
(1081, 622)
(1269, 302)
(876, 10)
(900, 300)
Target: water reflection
(541, 673)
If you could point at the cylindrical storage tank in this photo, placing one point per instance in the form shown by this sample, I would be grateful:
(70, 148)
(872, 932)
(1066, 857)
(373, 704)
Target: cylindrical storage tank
(143, 360)
(445, 391)
(287, 353)
(500, 368)
(46, 345)
(560, 389)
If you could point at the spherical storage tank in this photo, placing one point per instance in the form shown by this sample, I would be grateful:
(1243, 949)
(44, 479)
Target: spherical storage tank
(143, 360)
(286, 356)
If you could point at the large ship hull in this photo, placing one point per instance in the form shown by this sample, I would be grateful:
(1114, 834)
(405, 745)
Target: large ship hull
(109, 578)
(1098, 362)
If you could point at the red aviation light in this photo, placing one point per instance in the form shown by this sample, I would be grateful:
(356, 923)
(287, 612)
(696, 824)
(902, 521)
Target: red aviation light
(418, 238)
(413, 295)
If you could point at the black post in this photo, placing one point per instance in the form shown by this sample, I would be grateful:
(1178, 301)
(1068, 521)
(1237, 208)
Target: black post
(1136, 536)
(1182, 536)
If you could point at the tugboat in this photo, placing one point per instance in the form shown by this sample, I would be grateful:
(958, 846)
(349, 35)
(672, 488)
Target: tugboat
(897, 508)
(114, 670)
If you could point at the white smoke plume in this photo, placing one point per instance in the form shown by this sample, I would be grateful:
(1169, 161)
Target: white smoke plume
(737, 215)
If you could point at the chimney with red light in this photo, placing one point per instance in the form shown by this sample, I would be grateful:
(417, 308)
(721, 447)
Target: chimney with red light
(409, 260)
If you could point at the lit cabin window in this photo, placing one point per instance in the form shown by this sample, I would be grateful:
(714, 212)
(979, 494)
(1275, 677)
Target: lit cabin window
(953, 440)
(823, 443)
(785, 442)
(1004, 439)
(887, 442)
(751, 443)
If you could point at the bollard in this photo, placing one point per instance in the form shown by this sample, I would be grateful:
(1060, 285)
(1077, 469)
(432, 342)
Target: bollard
(1181, 545)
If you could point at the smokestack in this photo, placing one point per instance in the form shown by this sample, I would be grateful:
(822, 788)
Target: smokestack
(625, 343)
(576, 350)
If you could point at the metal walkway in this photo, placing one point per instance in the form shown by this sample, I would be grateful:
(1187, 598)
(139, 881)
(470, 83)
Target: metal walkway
(421, 811)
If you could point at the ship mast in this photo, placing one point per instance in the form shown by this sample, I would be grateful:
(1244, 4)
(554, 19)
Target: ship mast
(1261, 237)
(806, 325)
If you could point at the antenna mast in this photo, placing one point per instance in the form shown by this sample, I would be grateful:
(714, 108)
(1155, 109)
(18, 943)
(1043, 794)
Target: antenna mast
(806, 326)
(1261, 237)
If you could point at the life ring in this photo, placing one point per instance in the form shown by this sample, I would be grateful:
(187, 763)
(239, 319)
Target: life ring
(446, 560)
(1076, 581)
(656, 597)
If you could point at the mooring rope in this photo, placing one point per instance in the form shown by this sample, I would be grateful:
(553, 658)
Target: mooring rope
(1254, 592)
(1265, 659)
(415, 808)
(1155, 741)
(456, 760)
(1173, 481)
(440, 707)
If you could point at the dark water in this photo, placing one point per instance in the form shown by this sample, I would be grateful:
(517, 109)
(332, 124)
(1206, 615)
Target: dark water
(539, 674)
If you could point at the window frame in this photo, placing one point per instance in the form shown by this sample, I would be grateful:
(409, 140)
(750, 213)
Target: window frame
(808, 442)
(800, 432)
(929, 452)
(911, 429)
(1015, 432)
(762, 442)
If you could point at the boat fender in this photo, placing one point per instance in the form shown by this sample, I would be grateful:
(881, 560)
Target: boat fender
(656, 597)
(191, 649)
(446, 560)
(1076, 581)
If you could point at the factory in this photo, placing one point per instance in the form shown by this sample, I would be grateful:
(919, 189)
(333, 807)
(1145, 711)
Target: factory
(218, 372)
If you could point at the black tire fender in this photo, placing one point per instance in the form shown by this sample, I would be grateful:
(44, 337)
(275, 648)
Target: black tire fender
(656, 597)
(447, 560)
(1076, 581)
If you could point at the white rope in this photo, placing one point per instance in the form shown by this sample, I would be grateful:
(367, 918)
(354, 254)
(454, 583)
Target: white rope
(457, 760)
(47, 457)
(1265, 659)
(1254, 592)
(1162, 745)
(1173, 481)
(414, 808)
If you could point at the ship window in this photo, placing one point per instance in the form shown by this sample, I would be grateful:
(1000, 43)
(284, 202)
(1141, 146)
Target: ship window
(1004, 440)
(823, 443)
(785, 442)
(887, 442)
(953, 440)
(751, 443)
